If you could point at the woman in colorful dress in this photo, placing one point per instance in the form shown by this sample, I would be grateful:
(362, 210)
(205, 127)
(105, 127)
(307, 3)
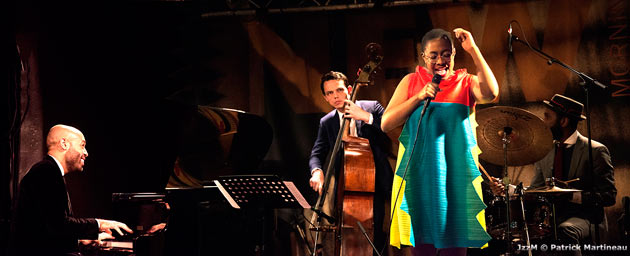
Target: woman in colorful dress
(436, 190)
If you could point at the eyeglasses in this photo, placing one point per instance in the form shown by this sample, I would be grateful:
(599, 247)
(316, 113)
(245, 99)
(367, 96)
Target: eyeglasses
(433, 58)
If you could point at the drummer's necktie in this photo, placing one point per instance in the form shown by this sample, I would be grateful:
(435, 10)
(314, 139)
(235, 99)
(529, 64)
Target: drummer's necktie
(558, 169)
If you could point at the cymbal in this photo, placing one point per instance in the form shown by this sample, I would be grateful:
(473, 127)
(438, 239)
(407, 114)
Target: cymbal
(552, 189)
(529, 138)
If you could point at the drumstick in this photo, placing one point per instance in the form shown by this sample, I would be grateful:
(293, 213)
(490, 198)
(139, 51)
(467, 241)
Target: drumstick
(573, 180)
(485, 173)
(566, 183)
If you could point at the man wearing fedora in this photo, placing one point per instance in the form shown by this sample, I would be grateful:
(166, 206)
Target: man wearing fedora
(568, 161)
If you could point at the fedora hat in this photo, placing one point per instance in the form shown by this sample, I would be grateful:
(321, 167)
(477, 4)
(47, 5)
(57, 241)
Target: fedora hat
(566, 106)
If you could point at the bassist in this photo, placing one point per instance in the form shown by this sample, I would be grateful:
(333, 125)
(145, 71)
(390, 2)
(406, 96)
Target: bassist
(366, 120)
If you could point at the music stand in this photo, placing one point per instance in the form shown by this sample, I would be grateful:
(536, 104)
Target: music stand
(247, 191)
(260, 192)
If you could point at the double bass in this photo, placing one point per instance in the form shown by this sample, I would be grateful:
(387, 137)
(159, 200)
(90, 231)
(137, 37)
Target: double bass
(353, 221)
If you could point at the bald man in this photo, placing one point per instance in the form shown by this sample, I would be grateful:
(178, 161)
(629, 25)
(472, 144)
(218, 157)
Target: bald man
(44, 223)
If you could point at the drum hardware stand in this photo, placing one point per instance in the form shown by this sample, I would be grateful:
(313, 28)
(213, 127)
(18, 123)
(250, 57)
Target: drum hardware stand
(259, 193)
(319, 228)
(519, 192)
(587, 82)
(303, 238)
(551, 182)
(330, 172)
(507, 131)
(316, 234)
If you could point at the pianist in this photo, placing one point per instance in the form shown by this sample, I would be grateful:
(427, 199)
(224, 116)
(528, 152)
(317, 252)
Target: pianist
(44, 223)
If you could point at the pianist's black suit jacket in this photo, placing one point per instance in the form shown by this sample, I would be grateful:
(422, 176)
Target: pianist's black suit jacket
(44, 223)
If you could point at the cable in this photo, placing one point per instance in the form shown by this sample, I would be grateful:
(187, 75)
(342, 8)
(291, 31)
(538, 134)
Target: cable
(391, 217)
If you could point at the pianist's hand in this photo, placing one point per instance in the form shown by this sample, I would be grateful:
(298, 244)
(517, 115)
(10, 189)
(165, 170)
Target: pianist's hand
(85, 243)
(95, 243)
(107, 226)
(156, 228)
(104, 236)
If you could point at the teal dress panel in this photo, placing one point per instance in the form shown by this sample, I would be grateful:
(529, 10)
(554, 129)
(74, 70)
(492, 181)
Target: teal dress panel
(439, 194)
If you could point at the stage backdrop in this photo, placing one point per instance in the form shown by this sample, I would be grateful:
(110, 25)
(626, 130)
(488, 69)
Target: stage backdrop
(120, 72)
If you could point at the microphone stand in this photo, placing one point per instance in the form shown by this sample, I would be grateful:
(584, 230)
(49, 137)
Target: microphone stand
(330, 172)
(436, 79)
(586, 80)
(507, 132)
(519, 193)
(330, 169)
(586, 83)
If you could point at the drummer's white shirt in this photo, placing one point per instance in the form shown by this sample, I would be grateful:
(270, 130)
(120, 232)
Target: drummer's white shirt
(570, 141)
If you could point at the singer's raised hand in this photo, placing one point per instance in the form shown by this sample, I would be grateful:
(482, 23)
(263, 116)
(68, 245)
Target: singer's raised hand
(466, 38)
(485, 87)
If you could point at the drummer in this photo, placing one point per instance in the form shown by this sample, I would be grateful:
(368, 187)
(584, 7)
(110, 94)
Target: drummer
(569, 161)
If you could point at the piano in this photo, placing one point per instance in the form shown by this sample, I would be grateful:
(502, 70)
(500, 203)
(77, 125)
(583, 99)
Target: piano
(191, 216)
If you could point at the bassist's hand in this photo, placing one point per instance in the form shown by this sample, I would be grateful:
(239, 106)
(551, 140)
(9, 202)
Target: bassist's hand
(355, 112)
(317, 180)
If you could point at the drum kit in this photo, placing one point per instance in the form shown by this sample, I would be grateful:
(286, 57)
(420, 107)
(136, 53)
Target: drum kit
(509, 136)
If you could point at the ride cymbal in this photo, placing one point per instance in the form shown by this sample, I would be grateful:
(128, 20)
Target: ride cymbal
(529, 138)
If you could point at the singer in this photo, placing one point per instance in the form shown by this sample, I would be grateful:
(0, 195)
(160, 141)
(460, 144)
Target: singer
(437, 186)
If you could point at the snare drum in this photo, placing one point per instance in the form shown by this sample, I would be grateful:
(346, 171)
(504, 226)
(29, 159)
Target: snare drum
(537, 213)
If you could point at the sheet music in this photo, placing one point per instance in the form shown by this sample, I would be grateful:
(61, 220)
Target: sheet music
(227, 195)
(296, 193)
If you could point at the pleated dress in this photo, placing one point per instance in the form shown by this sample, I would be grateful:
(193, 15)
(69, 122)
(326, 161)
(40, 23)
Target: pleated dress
(440, 200)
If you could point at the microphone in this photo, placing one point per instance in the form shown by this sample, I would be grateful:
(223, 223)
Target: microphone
(510, 37)
(436, 80)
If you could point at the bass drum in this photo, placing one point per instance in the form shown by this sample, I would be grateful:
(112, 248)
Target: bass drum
(538, 213)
